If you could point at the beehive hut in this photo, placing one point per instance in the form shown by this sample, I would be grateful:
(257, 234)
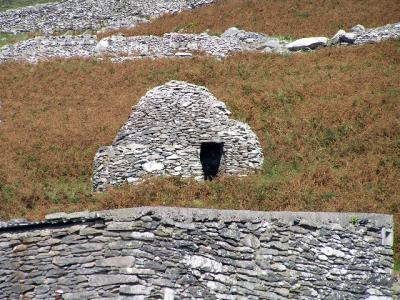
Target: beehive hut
(177, 129)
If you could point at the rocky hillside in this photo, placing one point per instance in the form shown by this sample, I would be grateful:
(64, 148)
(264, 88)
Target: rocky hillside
(89, 14)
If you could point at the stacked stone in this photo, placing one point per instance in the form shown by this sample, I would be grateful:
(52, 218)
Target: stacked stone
(175, 253)
(81, 15)
(376, 35)
(171, 44)
(121, 48)
(42, 48)
(164, 133)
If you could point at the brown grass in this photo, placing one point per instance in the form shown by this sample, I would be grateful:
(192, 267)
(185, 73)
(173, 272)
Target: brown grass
(329, 124)
(295, 18)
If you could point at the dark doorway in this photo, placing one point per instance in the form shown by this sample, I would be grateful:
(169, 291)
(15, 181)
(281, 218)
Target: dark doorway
(210, 157)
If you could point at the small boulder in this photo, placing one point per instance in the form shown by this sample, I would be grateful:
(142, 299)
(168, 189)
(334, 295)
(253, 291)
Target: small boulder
(357, 29)
(349, 38)
(307, 43)
(103, 45)
(337, 37)
(343, 37)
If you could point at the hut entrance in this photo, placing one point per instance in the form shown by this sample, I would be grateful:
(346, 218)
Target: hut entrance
(210, 157)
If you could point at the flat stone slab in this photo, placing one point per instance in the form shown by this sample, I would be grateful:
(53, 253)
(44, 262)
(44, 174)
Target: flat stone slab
(307, 43)
(226, 215)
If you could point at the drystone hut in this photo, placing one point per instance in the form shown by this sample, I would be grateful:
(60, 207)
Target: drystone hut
(177, 129)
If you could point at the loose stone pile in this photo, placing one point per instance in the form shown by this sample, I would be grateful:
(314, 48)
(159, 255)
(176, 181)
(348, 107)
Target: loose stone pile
(122, 48)
(176, 253)
(164, 134)
(81, 15)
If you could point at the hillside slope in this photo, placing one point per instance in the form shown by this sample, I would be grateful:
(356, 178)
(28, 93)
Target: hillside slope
(328, 122)
(287, 18)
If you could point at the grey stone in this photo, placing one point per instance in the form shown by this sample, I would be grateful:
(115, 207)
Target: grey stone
(348, 37)
(65, 261)
(89, 247)
(358, 28)
(117, 262)
(307, 43)
(152, 166)
(230, 233)
(103, 280)
(251, 241)
(134, 290)
(80, 296)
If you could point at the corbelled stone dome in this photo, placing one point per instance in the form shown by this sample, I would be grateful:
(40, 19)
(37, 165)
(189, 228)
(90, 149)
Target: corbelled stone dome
(177, 129)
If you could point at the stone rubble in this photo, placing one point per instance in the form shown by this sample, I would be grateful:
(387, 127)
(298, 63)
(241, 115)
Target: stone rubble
(120, 48)
(81, 15)
(164, 133)
(178, 253)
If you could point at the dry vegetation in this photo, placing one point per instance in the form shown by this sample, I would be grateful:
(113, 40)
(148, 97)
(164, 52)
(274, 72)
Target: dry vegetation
(286, 18)
(329, 121)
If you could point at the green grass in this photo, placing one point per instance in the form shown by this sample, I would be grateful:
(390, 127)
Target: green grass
(7, 39)
(11, 4)
(396, 268)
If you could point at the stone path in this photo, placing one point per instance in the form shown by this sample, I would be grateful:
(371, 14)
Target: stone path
(121, 48)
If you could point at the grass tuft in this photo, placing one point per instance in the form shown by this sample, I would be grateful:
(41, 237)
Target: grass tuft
(12, 4)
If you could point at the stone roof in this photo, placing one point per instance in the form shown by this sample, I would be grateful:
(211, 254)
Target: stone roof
(164, 134)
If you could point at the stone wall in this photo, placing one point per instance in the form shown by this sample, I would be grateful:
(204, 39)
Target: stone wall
(177, 253)
(120, 48)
